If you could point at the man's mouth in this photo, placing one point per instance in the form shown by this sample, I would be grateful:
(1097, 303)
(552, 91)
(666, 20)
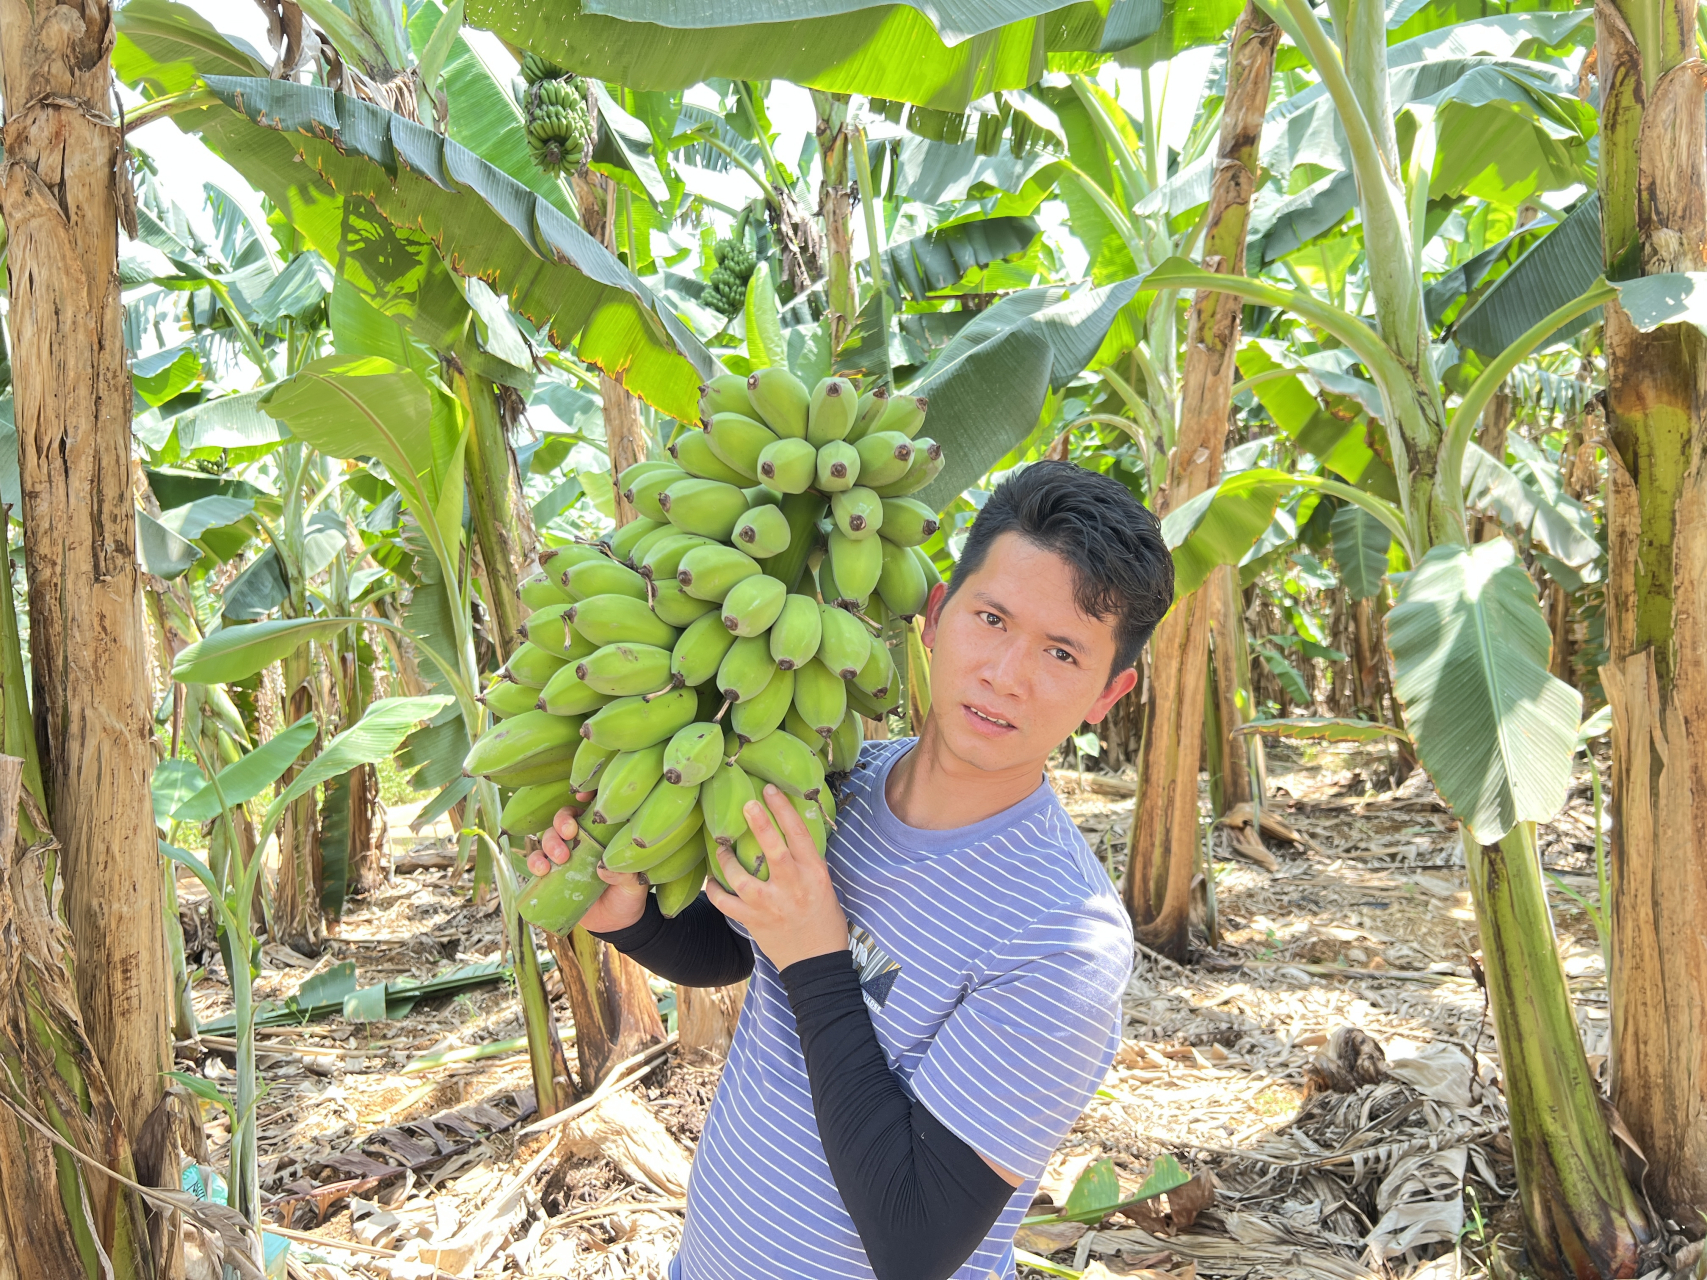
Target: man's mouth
(989, 719)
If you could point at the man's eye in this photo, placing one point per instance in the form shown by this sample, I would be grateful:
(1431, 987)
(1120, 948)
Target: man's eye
(1062, 654)
(990, 618)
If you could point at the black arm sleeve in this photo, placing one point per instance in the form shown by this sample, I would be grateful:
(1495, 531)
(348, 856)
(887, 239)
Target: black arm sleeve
(921, 1198)
(695, 948)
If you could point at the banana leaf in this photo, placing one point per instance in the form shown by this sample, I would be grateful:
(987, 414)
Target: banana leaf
(960, 51)
(1325, 729)
(1361, 543)
(940, 258)
(244, 779)
(236, 653)
(1560, 266)
(1491, 724)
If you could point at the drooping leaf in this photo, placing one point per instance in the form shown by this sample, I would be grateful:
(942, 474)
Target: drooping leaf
(1361, 543)
(1325, 729)
(175, 781)
(987, 386)
(1281, 668)
(236, 653)
(227, 422)
(244, 779)
(256, 592)
(765, 345)
(1678, 297)
(169, 46)
(1220, 525)
(1095, 1193)
(214, 511)
(163, 553)
(939, 259)
(1493, 727)
(1563, 526)
(371, 739)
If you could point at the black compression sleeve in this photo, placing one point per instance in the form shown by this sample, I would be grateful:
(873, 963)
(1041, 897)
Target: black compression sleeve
(695, 948)
(921, 1199)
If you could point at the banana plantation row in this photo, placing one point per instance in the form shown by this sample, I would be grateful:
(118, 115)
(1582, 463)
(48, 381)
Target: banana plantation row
(533, 399)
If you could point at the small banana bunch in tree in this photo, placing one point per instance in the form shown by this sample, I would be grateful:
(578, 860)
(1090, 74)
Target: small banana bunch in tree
(554, 106)
(729, 637)
(726, 291)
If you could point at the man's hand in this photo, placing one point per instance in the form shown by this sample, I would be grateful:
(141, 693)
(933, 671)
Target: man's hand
(794, 915)
(618, 906)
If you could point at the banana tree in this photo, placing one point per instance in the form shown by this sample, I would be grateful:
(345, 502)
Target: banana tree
(1493, 727)
(1653, 141)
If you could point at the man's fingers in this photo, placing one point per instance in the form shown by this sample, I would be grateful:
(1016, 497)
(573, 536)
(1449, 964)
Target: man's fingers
(538, 863)
(564, 823)
(793, 826)
(771, 841)
(555, 846)
(621, 879)
(728, 903)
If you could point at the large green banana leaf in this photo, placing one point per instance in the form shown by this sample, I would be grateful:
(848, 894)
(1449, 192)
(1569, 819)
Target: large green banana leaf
(1560, 266)
(244, 779)
(988, 386)
(1220, 525)
(942, 55)
(940, 258)
(1360, 549)
(1493, 727)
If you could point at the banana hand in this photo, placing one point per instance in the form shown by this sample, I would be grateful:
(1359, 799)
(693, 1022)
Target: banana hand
(793, 915)
(618, 906)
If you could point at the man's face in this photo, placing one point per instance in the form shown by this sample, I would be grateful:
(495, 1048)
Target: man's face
(1015, 667)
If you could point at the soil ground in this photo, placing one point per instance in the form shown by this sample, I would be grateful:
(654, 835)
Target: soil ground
(1327, 1071)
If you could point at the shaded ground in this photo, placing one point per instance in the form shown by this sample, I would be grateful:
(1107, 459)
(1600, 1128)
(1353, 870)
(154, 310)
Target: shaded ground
(1327, 1071)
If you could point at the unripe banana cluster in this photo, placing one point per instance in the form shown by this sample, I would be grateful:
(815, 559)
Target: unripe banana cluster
(726, 291)
(729, 637)
(554, 109)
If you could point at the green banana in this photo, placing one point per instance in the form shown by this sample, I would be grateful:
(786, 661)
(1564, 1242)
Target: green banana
(760, 495)
(788, 466)
(620, 670)
(590, 761)
(857, 562)
(738, 441)
(837, 466)
(795, 724)
(622, 541)
(566, 694)
(746, 669)
(556, 901)
(643, 493)
(750, 855)
(676, 896)
(753, 604)
(540, 590)
(533, 666)
(627, 781)
(763, 532)
(709, 573)
(687, 857)
(907, 522)
(858, 513)
(692, 449)
(700, 650)
(884, 457)
(821, 698)
(933, 575)
(531, 809)
(876, 676)
(604, 579)
(846, 645)
(629, 724)
(506, 698)
(905, 414)
(548, 629)
(869, 707)
(781, 399)
(831, 411)
(693, 754)
(643, 547)
(927, 465)
(532, 775)
(532, 738)
(709, 508)
(664, 557)
(607, 619)
(759, 715)
(556, 560)
(725, 393)
(830, 589)
(783, 759)
(872, 406)
(634, 470)
(677, 607)
(845, 743)
(721, 798)
(796, 633)
(663, 811)
(902, 582)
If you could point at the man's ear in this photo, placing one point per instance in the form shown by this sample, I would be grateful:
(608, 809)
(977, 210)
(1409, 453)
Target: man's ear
(1117, 689)
(933, 613)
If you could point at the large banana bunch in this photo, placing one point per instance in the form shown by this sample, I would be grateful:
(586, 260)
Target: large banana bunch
(554, 108)
(726, 291)
(728, 638)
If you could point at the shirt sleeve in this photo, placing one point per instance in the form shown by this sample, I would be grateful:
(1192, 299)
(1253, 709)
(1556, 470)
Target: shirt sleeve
(1032, 1041)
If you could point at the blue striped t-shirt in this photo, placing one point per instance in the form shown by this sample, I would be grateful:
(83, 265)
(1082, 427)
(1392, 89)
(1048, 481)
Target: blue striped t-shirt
(992, 958)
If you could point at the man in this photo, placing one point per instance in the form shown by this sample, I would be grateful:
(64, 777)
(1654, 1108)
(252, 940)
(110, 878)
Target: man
(936, 1000)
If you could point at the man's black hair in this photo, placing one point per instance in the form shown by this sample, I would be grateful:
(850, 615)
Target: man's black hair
(1122, 568)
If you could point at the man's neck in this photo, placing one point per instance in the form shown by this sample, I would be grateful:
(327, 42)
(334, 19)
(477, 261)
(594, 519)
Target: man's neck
(932, 789)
